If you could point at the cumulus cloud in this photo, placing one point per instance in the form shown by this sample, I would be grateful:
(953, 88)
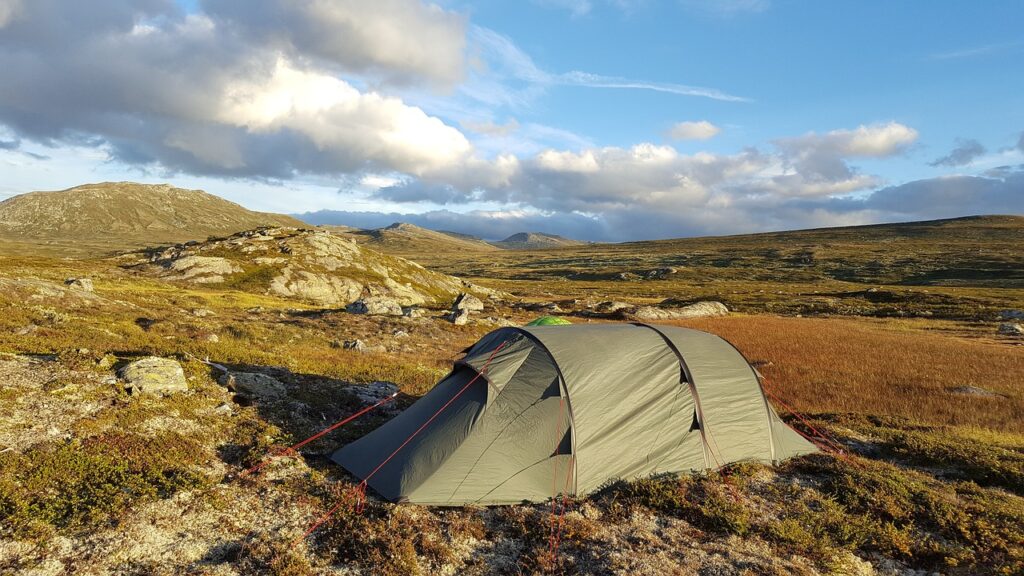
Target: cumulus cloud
(220, 93)
(401, 40)
(966, 151)
(701, 130)
(9, 10)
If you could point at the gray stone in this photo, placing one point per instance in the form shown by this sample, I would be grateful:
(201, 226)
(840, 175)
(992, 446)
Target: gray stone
(459, 317)
(412, 312)
(1011, 315)
(379, 305)
(255, 385)
(153, 375)
(374, 391)
(468, 302)
(357, 345)
(697, 310)
(1011, 329)
(84, 284)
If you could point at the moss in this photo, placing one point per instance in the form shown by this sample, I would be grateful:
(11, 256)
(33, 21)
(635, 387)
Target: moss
(253, 278)
(78, 484)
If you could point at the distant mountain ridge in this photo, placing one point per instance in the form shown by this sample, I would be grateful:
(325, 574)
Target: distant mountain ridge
(124, 215)
(403, 238)
(536, 241)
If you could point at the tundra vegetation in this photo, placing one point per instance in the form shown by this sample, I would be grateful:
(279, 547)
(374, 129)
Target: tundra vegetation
(885, 337)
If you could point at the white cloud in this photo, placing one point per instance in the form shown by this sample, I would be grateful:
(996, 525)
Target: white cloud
(701, 130)
(876, 140)
(9, 10)
(400, 40)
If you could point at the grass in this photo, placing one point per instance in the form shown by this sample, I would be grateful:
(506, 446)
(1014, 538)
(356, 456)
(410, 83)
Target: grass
(879, 367)
(935, 480)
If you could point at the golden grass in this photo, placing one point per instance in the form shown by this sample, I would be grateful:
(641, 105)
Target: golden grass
(833, 365)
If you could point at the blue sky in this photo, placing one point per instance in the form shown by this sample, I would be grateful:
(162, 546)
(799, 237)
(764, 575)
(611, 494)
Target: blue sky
(609, 120)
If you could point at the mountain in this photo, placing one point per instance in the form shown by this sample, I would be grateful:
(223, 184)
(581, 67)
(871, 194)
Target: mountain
(405, 239)
(536, 241)
(116, 216)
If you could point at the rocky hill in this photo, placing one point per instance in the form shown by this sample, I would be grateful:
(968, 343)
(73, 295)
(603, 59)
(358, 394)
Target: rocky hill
(406, 239)
(311, 265)
(114, 216)
(536, 241)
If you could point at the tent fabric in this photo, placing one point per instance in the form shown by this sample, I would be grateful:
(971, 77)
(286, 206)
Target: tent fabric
(570, 409)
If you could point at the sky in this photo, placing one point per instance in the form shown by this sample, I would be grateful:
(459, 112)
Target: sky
(605, 120)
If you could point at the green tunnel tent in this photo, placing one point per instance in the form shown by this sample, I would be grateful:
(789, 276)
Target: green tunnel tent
(569, 409)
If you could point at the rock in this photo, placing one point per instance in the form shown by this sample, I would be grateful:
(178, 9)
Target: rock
(357, 345)
(202, 312)
(25, 330)
(84, 284)
(201, 269)
(374, 391)
(153, 375)
(1011, 315)
(1011, 329)
(106, 362)
(459, 317)
(212, 338)
(660, 273)
(324, 289)
(412, 312)
(255, 385)
(976, 391)
(626, 276)
(611, 306)
(698, 310)
(224, 409)
(468, 302)
(379, 305)
(400, 334)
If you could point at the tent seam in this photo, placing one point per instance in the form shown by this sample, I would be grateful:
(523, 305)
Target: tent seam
(693, 389)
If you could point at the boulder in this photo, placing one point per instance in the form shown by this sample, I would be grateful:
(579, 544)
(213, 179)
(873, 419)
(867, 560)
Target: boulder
(459, 317)
(1011, 329)
(255, 385)
(1011, 314)
(202, 269)
(412, 312)
(84, 284)
(153, 375)
(611, 306)
(374, 391)
(697, 310)
(380, 305)
(468, 302)
(357, 345)
(660, 273)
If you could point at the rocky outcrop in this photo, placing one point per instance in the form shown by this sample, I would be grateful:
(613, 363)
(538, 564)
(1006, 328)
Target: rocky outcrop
(466, 301)
(200, 269)
(316, 266)
(377, 305)
(84, 284)
(1011, 329)
(697, 310)
(254, 386)
(154, 376)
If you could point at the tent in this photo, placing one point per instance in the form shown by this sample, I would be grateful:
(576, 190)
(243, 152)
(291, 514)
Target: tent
(534, 411)
(549, 321)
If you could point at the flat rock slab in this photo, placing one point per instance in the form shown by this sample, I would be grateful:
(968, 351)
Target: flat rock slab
(153, 375)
